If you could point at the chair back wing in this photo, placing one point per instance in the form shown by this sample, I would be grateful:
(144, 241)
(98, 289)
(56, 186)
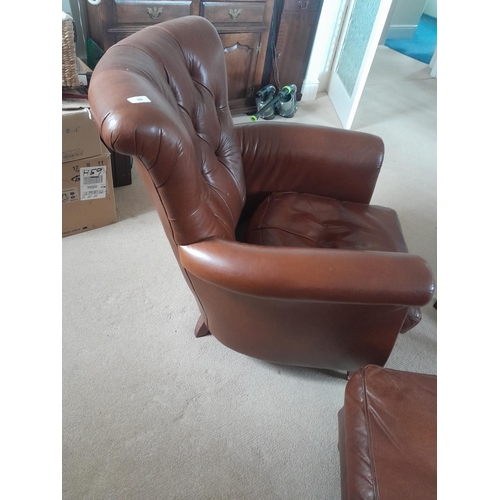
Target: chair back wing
(160, 95)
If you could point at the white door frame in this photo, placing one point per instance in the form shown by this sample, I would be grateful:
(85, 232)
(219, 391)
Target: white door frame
(346, 105)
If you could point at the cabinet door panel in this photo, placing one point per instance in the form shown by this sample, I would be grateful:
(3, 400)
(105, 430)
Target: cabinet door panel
(297, 29)
(240, 50)
(295, 39)
(302, 5)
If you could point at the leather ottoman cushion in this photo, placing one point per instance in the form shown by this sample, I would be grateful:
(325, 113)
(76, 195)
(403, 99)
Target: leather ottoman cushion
(305, 220)
(387, 435)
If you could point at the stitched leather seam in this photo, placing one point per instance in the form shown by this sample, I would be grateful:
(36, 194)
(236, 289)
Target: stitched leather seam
(163, 205)
(289, 232)
(188, 216)
(268, 202)
(159, 146)
(223, 223)
(219, 160)
(171, 170)
(201, 85)
(216, 191)
(231, 174)
(137, 48)
(370, 442)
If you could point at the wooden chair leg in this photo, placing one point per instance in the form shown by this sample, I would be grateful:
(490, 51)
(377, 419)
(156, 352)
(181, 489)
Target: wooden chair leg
(201, 329)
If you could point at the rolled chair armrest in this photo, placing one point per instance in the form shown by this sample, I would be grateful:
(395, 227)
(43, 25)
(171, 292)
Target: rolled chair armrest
(311, 274)
(130, 128)
(324, 161)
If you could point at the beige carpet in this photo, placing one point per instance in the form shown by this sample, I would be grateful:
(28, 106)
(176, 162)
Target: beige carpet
(150, 412)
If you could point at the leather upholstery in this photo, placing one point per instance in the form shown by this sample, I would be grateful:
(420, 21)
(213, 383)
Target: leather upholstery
(305, 220)
(387, 436)
(206, 177)
(187, 143)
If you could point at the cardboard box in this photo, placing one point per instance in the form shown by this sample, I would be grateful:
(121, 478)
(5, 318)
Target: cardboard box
(88, 198)
(84, 72)
(80, 136)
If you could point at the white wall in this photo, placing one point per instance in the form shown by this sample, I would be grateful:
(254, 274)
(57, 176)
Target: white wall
(405, 17)
(66, 7)
(431, 8)
(319, 68)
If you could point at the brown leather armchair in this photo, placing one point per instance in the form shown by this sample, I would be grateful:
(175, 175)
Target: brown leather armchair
(270, 222)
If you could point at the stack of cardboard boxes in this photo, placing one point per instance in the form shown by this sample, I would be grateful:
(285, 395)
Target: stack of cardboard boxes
(88, 200)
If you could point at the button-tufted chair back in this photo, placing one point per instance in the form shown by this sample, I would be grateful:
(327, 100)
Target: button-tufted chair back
(178, 125)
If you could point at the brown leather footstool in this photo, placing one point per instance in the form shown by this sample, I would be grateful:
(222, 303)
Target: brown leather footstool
(387, 436)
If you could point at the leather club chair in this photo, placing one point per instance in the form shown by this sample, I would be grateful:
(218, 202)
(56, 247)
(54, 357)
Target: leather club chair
(270, 222)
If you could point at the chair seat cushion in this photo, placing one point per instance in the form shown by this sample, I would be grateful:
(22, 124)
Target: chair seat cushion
(305, 220)
(290, 219)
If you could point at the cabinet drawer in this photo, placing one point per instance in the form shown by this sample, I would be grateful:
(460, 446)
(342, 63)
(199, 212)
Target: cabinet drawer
(234, 12)
(302, 5)
(144, 12)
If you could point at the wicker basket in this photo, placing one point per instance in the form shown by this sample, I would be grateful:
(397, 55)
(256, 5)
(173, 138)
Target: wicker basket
(69, 69)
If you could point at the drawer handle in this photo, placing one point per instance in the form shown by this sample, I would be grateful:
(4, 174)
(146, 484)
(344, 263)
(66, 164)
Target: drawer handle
(155, 12)
(301, 3)
(234, 13)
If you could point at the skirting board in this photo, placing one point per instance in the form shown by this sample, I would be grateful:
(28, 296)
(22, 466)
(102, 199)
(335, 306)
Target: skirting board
(309, 91)
(398, 31)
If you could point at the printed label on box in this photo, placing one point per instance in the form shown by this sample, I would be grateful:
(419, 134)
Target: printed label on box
(72, 154)
(69, 195)
(92, 183)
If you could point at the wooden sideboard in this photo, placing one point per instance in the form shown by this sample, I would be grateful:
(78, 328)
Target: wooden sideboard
(264, 41)
(243, 27)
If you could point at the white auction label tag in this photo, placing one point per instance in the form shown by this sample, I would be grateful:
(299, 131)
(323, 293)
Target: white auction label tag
(137, 99)
(92, 182)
